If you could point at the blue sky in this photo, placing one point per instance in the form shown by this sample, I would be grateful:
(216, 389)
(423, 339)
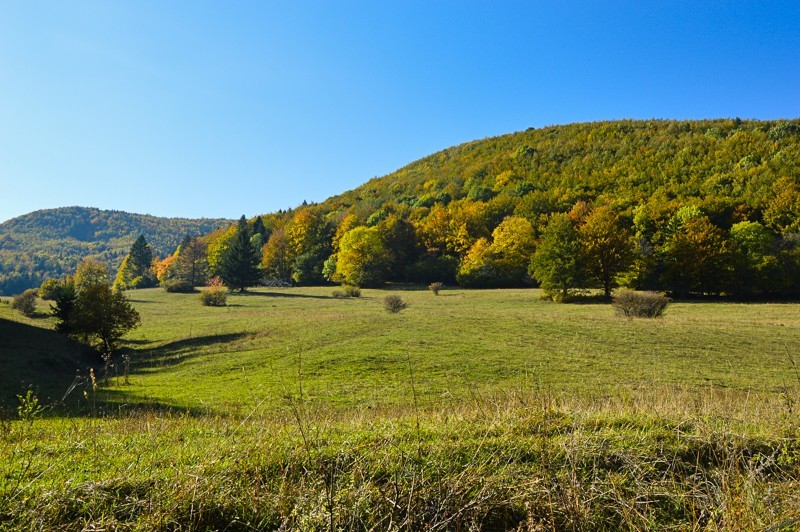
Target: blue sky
(219, 109)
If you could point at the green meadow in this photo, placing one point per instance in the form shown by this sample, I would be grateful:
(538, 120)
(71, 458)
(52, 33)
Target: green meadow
(492, 409)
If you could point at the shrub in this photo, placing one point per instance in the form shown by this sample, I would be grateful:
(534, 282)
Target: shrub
(26, 302)
(215, 295)
(633, 304)
(435, 287)
(347, 291)
(394, 304)
(351, 291)
(178, 286)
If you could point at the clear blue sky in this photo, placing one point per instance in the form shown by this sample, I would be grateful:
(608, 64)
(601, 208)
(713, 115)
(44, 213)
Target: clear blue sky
(219, 109)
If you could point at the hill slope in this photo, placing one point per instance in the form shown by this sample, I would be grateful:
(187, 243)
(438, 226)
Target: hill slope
(50, 243)
(627, 161)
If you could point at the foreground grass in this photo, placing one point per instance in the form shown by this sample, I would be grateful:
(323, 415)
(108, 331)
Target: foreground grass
(473, 409)
(526, 461)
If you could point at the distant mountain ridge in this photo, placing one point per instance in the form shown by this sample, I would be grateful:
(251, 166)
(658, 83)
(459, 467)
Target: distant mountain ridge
(51, 242)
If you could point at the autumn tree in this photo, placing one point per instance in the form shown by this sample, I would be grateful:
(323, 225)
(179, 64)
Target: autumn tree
(191, 262)
(477, 268)
(239, 266)
(513, 246)
(309, 237)
(698, 258)
(276, 258)
(363, 259)
(89, 272)
(218, 243)
(607, 246)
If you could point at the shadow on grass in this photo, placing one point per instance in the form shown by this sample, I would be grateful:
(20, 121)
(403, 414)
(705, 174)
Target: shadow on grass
(280, 294)
(174, 353)
(38, 359)
(116, 402)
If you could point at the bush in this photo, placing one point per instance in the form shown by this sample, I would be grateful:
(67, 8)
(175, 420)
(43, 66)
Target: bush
(347, 291)
(178, 286)
(351, 291)
(435, 287)
(394, 304)
(633, 304)
(216, 294)
(26, 302)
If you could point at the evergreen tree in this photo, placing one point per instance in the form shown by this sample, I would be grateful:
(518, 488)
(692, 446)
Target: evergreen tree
(136, 270)
(62, 311)
(141, 256)
(239, 267)
(259, 229)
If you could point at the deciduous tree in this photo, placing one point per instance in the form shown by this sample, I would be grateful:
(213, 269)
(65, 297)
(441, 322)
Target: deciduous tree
(558, 262)
(607, 245)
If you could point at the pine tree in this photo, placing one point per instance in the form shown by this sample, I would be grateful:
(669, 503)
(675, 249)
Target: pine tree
(259, 229)
(239, 267)
(136, 269)
(141, 256)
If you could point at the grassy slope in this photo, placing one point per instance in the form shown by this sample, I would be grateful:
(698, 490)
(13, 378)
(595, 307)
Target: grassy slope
(351, 352)
(527, 414)
(31, 356)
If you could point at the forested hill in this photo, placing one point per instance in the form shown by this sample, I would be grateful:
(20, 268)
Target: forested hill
(50, 243)
(701, 206)
(628, 162)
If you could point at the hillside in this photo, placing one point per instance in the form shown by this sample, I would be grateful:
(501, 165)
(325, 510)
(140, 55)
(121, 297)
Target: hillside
(628, 162)
(703, 206)
(50, 243)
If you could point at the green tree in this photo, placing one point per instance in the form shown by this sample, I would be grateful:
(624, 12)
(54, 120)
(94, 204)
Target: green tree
(558, 262)
(102, 316)
(363, 259)
(63, 308)
(90, 272)
(607, 246)
(239, 267)
(755, 265)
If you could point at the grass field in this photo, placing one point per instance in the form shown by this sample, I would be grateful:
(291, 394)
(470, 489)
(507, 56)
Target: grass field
(489, 409)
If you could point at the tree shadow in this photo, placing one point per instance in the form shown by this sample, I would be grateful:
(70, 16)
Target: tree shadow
(38, 359)
(174, 353)
(280, 294)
